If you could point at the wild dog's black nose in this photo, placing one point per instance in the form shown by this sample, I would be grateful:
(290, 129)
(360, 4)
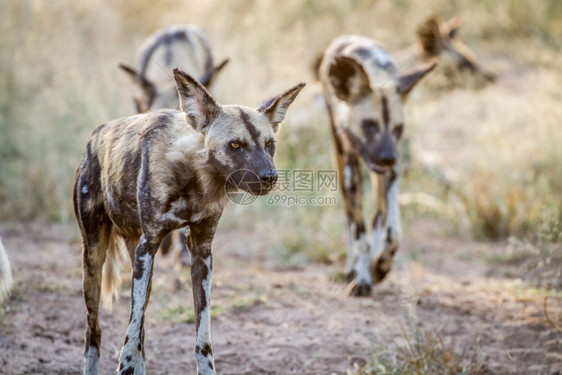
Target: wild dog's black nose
(268, 176)
(387, 159)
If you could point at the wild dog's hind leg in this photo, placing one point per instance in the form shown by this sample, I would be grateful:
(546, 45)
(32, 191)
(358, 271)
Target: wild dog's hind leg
(358, 255)
(387, 227)
(199, 243)
(95, 227)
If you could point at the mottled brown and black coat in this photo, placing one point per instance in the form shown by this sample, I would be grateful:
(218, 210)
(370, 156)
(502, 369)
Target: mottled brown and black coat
(143, 176)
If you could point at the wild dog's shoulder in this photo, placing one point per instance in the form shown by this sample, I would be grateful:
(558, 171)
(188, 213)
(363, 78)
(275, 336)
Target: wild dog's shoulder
(163, 123)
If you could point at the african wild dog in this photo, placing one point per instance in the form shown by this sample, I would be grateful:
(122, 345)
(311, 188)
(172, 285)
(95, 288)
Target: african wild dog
(364, 94)
(182, 46)
(438, 39)
(146, 175)
(5, 274)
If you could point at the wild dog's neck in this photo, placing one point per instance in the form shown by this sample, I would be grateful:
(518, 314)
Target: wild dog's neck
(211, 181)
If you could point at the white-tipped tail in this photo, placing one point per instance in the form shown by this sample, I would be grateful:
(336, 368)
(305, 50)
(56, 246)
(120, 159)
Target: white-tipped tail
(5, 274)
(111, 279)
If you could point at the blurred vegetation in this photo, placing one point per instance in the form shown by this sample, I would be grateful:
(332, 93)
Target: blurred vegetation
(418, 351)
(485, 161)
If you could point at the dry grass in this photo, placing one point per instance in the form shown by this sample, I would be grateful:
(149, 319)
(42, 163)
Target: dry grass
(418, 351)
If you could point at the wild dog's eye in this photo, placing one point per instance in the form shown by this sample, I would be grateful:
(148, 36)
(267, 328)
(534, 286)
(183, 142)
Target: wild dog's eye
(235, 145)
(370, 124)
(269, 143)
(397, 131)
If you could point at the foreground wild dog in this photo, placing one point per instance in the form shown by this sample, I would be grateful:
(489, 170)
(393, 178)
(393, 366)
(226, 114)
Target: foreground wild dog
(182, 46)
(364, 94)
(146, 175)
(437, 39)
(179, 46)
(5, 274)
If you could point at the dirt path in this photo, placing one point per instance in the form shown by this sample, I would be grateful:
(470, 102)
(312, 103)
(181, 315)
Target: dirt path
(279, 320)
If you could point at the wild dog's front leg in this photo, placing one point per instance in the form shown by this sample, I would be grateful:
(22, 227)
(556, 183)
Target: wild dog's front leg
(199, 243)
(358, 255)
(131, 359)
(387, 228)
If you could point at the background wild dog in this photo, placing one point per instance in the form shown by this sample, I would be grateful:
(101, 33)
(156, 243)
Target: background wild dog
(438, 39)
(364, 94)
(146, 175)
(5, 274)
(187, 48)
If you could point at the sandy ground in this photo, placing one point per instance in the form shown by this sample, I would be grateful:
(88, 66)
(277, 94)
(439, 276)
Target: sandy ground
(272, 319)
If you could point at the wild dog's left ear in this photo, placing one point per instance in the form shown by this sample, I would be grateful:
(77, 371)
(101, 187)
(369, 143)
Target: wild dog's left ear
(407, 81)
(199, 107)
(276, 107)
(208, 78)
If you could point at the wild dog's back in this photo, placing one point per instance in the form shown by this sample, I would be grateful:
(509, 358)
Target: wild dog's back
(375, 60)
(113, 159)
(179, 46)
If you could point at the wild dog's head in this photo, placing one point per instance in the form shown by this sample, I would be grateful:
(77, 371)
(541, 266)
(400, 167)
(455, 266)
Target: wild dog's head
(439, 39)
(374, 119)
(240, 141)
(156, 96)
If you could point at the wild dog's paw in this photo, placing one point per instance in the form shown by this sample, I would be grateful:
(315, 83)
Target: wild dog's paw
(131, 362)
(356, 289)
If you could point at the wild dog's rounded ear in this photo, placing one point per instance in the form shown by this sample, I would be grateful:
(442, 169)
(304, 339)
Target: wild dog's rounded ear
(451, 27)
(430, 36)
(349, 80)
(199, 107)
(208, 78)
(407, 81)
(276, 107)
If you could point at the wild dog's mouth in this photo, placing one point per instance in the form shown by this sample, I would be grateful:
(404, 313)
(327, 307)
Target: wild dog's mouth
(250, 182)
(378, 168)
(256, 188)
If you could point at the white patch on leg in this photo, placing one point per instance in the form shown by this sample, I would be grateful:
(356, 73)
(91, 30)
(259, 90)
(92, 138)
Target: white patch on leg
(393, 211)
(134, 329)
(205, 364)
(351, 255)
(363, 260)
(5, 274)
(91, 361)
(377, 239)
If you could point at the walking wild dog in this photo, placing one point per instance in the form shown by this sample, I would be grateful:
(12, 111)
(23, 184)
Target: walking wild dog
(437, 39)
(5, 274)
(146, 175)
(182, 46)
(364, 94)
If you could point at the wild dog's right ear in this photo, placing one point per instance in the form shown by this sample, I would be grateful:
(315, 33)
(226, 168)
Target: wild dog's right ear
(407, 81)
(208, 78)
(276, 108)
(349, 80)
(199, 107)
